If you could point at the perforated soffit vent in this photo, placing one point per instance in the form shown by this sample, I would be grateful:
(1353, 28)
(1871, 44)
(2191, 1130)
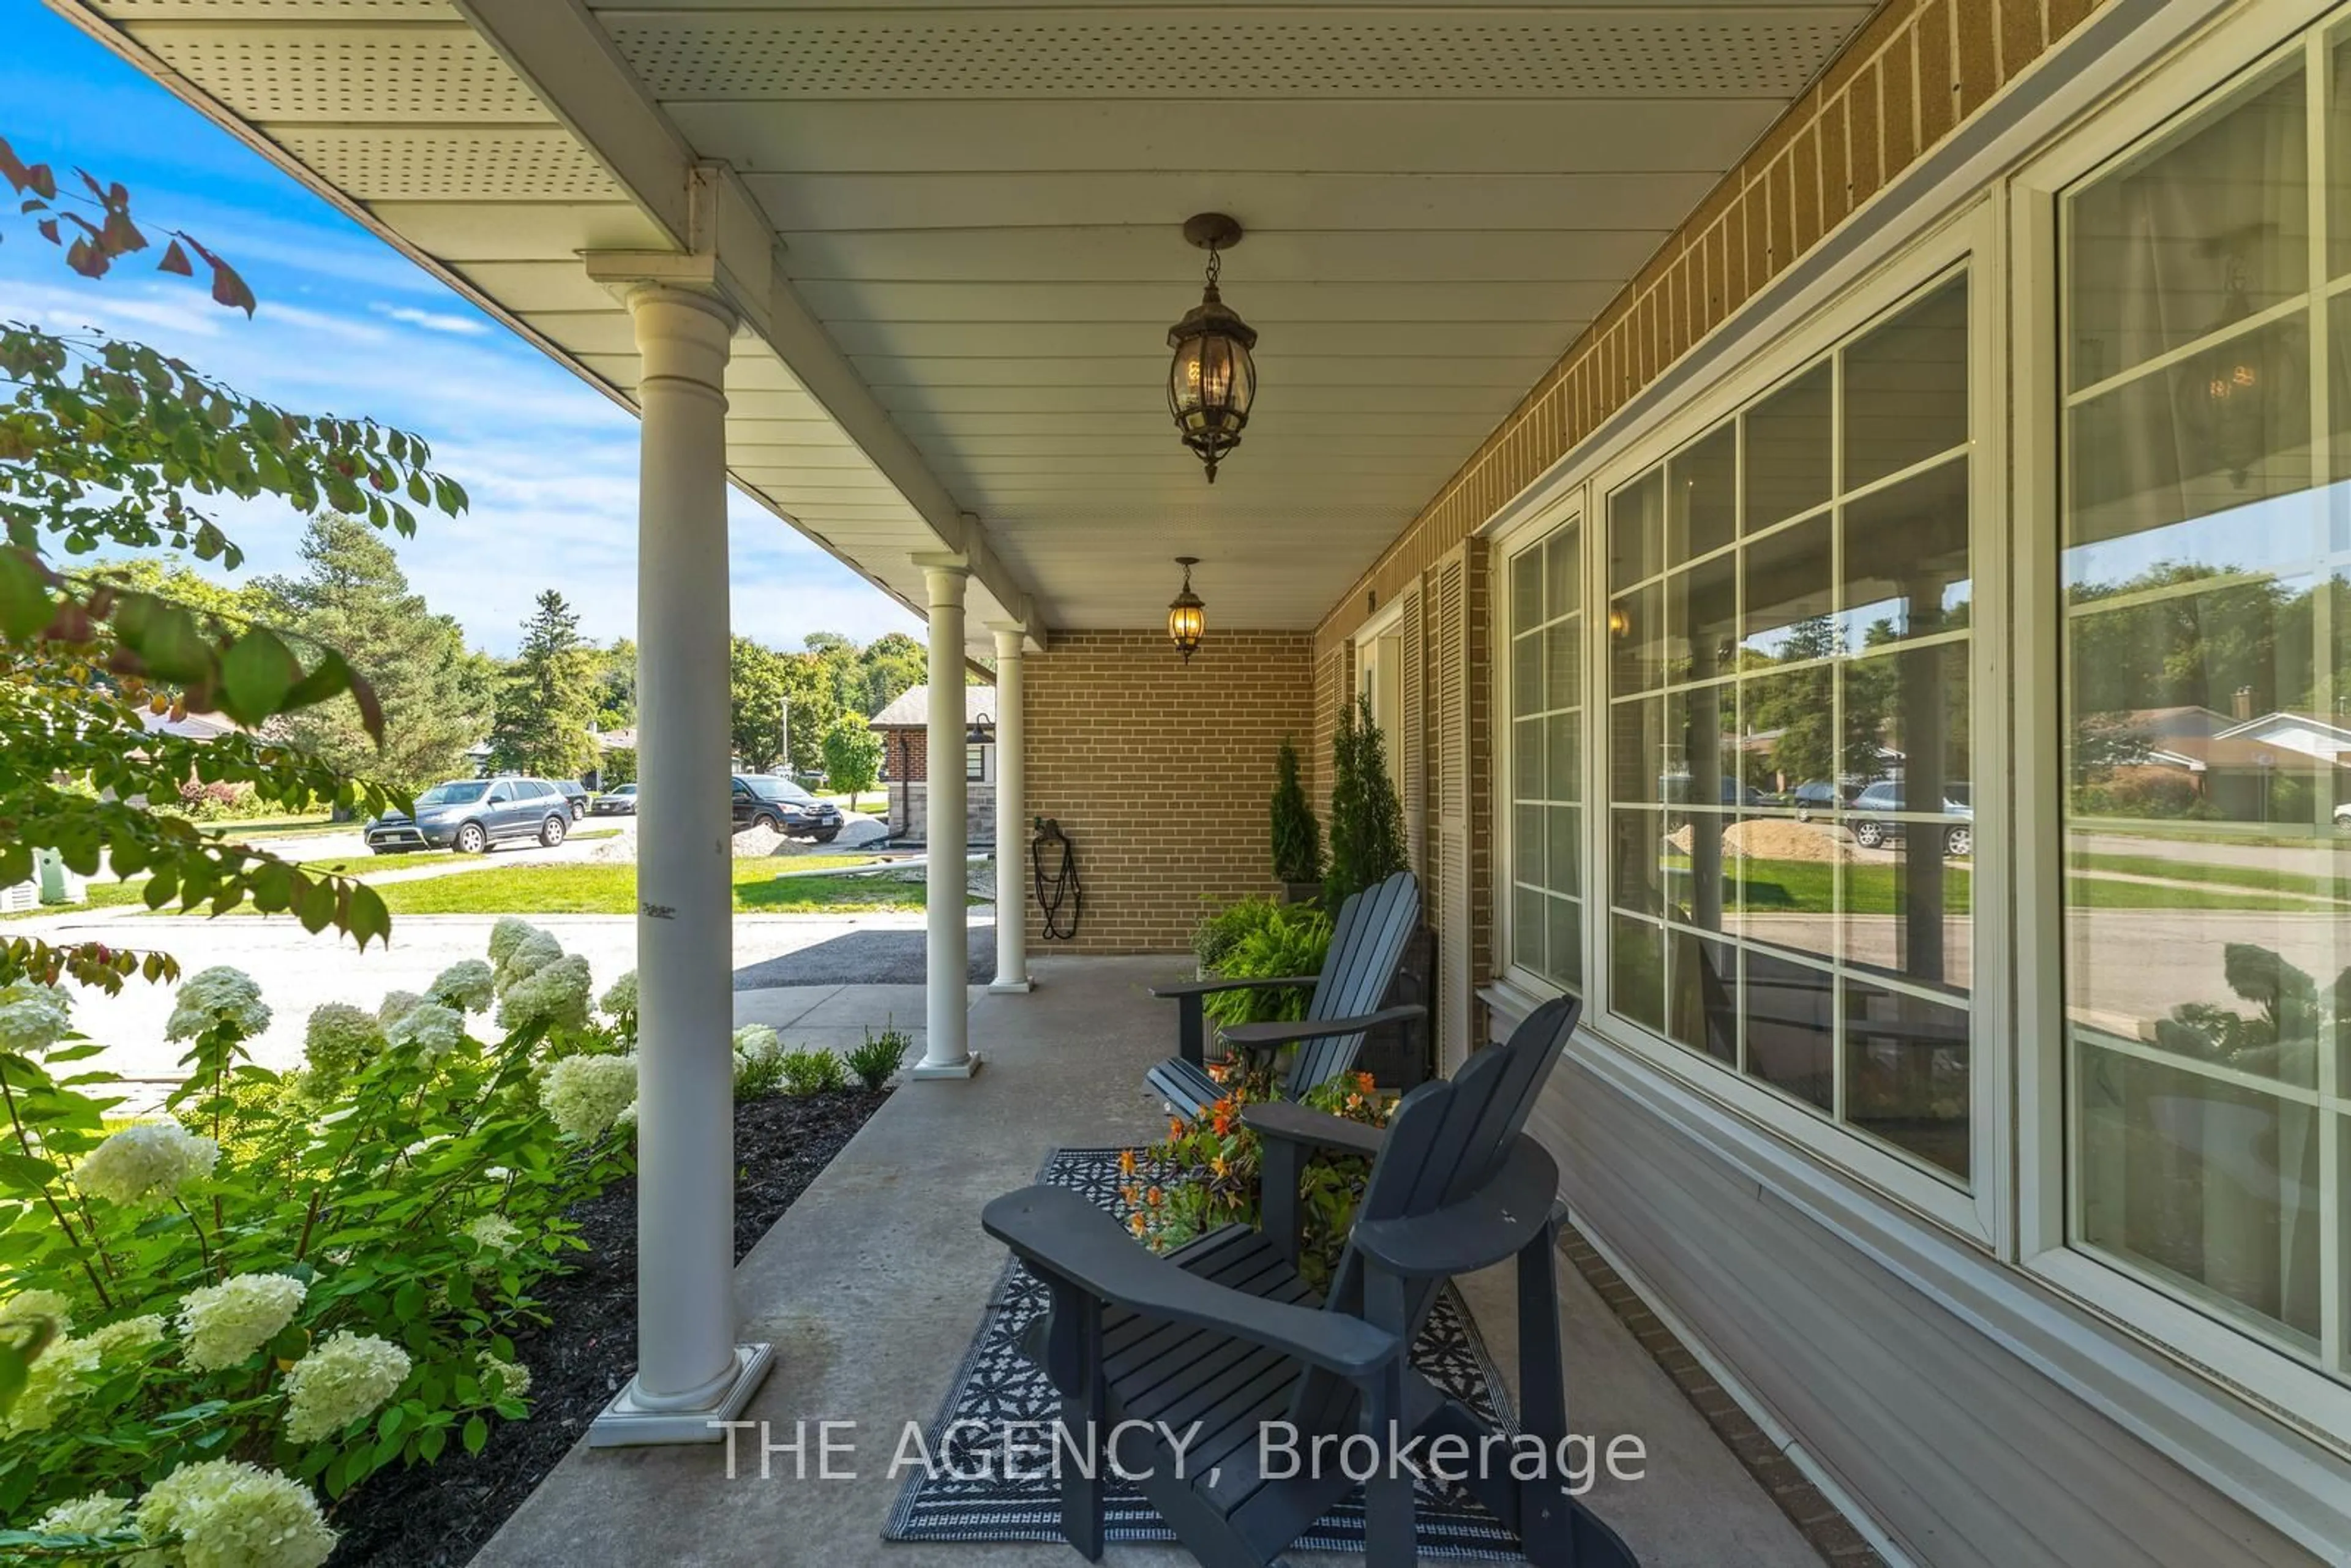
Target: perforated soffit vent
(1706, 54)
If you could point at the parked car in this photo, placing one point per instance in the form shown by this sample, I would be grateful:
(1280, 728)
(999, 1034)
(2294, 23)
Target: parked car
(781, 806)
(471, 814)
(1870, 831)
(1819, 794)
(1676, 787)
(2343, 816)
(576, 792)
(621, 801)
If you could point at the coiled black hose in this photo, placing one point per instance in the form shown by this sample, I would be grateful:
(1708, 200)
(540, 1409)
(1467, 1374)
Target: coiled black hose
(1058, 889)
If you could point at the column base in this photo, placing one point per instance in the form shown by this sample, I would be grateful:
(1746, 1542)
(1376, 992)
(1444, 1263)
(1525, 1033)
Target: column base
(968, 1067)
(1021, 986)
(625, 1423)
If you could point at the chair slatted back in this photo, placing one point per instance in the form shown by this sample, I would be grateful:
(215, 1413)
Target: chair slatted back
(1445, 1139)
(1367, 943)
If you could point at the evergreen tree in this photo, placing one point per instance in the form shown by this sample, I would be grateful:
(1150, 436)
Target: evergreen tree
(1366, 818)
(1297, 837)
(353, 596)
(546, 698)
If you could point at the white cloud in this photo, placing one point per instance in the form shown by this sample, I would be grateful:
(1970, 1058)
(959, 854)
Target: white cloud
(431, 321)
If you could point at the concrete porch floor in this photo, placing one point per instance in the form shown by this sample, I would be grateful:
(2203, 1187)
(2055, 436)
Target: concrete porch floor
(871, 1287)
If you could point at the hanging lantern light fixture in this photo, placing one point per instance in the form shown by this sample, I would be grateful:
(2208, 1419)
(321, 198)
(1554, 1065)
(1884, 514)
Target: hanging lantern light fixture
(1212, 381)
(1187, 617)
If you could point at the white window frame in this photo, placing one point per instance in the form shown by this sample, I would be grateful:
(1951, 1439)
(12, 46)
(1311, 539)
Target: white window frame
(1381, 637)
(1977, 1213)
(1520, 536)
(2240, 1357)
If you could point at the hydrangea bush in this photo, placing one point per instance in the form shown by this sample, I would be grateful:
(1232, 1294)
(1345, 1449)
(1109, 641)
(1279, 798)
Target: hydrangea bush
(241, 1307)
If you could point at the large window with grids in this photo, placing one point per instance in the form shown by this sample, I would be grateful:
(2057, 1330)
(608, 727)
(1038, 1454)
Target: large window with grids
(1544, 582)
(2205, 572)
(1790, 817)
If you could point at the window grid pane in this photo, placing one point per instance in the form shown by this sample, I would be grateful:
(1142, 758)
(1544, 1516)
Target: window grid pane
(2206, 694)
(1546, 698)
(1790, 653)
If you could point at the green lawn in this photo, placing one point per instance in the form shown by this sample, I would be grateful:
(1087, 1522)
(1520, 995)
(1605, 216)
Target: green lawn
(2201, 871)
(613, 890)
(102, 896)
(272, 827)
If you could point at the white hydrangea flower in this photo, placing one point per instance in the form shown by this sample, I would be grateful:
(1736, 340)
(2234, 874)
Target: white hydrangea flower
(93, 1515)
(227, 1322)
(467, 985)
(495, 1233)
(138, 1333)
(395, 1006)
(585, 1094)
(230, 1514)
(532, 954)
(508, 934)
(51, 1304)
(347, 1376)
(503, 1379)
(340, 1039)
(59, 1376)
(32, 1017)
(220, 995)
(756, 1042)
(555, 994)
(428, 1028)
(620, 998)
(144, 1163)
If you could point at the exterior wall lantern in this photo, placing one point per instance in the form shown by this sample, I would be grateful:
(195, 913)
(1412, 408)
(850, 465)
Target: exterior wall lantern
(1212, 381)
(1187, 617)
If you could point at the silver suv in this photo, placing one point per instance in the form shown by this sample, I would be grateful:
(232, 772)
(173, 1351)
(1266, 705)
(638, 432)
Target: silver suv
(1870, 831)
(471, 814)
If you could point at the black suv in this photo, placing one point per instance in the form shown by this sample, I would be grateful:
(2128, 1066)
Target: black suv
(781, 806)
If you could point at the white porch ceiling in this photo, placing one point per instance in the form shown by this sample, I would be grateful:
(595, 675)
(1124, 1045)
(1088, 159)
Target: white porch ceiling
(979, 206)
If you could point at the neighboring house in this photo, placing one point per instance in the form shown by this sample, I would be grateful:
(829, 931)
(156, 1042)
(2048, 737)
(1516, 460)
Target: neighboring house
(2238, 764)
(906, 763)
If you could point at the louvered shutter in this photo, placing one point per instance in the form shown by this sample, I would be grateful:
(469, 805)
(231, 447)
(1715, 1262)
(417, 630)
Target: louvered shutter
(1448, 657)
(1413, 738)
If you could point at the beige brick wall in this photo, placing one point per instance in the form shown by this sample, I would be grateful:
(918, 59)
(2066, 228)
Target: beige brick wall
(1161, 773)
(1913, 73)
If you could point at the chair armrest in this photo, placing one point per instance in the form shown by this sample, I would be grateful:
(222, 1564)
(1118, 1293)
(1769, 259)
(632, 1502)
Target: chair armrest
(1289, 1124)
(1209, 987)
(1062, 1236)
(1264, 1036)
(1487, 1227)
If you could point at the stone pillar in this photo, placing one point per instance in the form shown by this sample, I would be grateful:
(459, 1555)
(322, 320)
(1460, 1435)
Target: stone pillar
(946, 1049)
(690, 1371)
(1012, 878)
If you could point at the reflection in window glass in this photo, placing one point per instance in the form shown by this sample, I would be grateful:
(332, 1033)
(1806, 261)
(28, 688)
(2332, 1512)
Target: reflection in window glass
(2207, 740)
(1790, 437)
(1778, 902)
(1906, 387)
(1546, 760)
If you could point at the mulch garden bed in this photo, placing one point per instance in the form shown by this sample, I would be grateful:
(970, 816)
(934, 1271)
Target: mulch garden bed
(439, 1515)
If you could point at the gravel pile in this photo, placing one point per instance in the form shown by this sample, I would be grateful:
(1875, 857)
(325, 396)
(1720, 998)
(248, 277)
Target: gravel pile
(1768, 839)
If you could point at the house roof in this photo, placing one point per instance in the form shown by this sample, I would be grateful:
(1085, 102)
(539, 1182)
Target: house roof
(195, 726)
(912, 709)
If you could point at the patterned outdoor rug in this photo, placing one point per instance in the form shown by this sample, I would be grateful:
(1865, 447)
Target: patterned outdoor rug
(997, 1387)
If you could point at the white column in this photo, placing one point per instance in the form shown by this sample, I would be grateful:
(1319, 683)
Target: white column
(947, 1045)
(1011, 816)
(690, 1371)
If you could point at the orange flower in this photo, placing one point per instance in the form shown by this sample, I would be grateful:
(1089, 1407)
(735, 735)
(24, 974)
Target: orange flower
(1363, 1081)
(1217, 1166)
(1355, 1101)
(1132, 1194)
(1136, 1223)
(1175, 1128)
(1155, 1198)
(1126, 1162)
(1220, 1121)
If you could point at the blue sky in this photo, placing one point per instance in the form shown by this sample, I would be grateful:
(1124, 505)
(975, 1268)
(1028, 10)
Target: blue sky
(349, 326)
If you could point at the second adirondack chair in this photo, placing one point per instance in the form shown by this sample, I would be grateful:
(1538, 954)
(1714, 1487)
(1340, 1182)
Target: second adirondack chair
(1222, 1339)
(1367, 943)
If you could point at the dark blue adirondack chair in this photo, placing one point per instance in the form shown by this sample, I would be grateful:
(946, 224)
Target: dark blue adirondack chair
(1367, 943)
(1225, 1333)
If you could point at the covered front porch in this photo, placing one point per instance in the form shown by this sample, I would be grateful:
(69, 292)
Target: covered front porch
(872, 1286)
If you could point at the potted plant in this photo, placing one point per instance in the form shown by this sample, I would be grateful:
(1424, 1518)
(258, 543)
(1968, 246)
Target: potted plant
(1297, 836)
